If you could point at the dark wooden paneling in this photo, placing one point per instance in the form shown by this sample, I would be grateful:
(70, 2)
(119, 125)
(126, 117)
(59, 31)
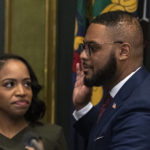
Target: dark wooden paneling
(65, 32)
(2, 12)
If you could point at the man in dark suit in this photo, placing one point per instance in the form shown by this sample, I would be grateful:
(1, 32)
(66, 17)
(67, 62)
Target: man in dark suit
(112, 56)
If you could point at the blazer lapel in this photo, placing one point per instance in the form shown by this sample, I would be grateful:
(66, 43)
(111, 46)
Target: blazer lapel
(122, 95)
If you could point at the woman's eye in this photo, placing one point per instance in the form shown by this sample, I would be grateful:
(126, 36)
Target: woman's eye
(9, 84)
(27, 84)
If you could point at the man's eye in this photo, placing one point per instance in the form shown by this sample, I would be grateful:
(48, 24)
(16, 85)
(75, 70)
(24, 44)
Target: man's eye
(94, 47)
(82, 46)
(9, 84)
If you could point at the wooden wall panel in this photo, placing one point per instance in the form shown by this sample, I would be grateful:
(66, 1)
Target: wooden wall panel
(2, 13)
(32, 34)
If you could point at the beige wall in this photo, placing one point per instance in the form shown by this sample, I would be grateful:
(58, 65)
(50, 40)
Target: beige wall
(31, 33)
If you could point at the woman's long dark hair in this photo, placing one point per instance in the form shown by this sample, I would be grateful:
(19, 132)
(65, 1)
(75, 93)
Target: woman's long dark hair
(37, 108)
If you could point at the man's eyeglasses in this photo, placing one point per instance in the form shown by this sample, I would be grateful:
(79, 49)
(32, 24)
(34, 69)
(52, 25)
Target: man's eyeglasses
(92, 47)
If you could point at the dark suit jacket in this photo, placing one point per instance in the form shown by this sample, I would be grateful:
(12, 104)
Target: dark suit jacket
(125, 125)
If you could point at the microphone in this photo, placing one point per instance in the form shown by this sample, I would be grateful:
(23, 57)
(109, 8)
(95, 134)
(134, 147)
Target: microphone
(33, 140)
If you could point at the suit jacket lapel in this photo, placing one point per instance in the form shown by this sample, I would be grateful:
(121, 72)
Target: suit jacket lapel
(122, 95)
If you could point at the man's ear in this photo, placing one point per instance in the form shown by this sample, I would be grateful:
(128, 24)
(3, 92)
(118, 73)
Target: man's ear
(124, 52)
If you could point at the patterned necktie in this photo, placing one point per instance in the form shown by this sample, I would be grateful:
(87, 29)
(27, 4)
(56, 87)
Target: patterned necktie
(104, 106)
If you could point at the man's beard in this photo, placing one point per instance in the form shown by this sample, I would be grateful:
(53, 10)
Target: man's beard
(103, 76)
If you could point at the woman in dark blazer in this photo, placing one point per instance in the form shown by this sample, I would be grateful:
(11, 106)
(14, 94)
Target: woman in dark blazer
(21, 110)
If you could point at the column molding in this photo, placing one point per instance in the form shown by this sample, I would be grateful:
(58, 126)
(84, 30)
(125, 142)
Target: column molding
(50, 58)
(7, 44)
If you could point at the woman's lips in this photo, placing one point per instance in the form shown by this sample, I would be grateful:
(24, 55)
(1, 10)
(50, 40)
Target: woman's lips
(21, 103)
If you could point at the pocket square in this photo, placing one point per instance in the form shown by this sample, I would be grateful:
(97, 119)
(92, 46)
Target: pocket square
(100, 137)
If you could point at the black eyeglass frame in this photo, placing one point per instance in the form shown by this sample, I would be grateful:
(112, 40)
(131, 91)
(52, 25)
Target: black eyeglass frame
(87, 46)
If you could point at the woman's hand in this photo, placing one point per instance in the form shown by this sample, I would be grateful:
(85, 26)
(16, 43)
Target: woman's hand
(29, 148)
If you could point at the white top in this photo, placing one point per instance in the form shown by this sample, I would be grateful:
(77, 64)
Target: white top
(80, 113)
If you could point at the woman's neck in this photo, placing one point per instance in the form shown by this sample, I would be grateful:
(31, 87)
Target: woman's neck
(11, 126)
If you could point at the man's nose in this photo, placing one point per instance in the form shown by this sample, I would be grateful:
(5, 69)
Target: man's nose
(83, 55)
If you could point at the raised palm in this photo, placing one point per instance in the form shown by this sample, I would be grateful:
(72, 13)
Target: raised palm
(81, 93)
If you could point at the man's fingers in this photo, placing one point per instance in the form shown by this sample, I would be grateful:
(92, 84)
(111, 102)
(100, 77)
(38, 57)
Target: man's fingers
(78, 71)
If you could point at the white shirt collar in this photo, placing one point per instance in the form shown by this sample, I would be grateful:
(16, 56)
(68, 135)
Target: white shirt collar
(117, 87)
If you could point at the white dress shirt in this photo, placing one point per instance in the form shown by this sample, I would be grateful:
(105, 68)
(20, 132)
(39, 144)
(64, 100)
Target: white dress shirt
(80, 113)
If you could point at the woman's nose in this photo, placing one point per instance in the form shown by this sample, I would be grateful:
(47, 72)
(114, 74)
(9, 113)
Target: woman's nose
(20, 90)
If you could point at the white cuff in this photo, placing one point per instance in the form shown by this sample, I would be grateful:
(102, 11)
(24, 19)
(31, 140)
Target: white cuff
(80, 113)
